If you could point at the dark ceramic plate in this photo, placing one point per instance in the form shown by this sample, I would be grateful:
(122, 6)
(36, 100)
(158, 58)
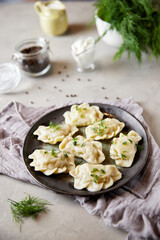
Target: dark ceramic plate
(63, 183)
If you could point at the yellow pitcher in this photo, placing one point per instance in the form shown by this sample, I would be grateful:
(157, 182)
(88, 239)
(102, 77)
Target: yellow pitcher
(52, 16)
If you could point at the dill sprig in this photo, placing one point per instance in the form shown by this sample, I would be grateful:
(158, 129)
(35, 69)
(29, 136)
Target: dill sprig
(138, 21)
(28, 207)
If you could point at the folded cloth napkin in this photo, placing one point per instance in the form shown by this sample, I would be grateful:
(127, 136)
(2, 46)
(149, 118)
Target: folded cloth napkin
(134, 207)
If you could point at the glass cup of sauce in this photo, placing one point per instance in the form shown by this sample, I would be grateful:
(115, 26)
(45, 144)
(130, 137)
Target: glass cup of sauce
(32, 56)
(82, 51)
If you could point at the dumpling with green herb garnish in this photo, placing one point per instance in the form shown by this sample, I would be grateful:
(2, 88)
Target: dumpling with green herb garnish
(104, 129)
(94, 177)
(83, 115)
(88, 149)
(123, 149)
(55, 132)
(51, 162)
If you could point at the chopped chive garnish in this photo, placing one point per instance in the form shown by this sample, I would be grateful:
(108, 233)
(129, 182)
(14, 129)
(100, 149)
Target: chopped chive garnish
(51, 124)
(100, 131)
(123, 156)
(45, 152)
(124, 143)
(94, 130)
(102, 124)
(78, 109)
(94, 170)
(75, 141)
(102, 171)
(139, 147)
(55, 126)
(83, 144)
(66, 155)
(95, 177)
(53, 152)
(130, 140)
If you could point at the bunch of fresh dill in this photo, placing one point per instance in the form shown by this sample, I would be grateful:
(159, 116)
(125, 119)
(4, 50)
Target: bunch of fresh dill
(28, 207)
(138, 21)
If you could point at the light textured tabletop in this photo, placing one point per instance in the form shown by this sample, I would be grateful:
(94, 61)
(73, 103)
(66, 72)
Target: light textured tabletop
(120, 79)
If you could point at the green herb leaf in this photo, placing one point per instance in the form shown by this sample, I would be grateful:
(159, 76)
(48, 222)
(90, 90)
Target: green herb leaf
(94, 170)
(124, 143)
(130, 140)
(75, 141)
(51, 124)
(95, 177)
(138, 22)
(77, 108)
(123, 156)
(139, 147)
(100, 131)
(53, 152)
(55, 126)
(66, 155)
(94, 129)
(28, 207)
(102, 171)
(83, 144)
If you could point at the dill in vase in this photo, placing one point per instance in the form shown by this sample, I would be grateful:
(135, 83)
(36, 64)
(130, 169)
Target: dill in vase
(138, 21)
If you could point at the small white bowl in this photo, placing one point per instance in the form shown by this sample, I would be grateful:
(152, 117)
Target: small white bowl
(10, 77)
(112, 37)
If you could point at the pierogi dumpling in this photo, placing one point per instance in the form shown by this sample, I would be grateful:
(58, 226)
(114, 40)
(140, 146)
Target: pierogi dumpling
(88, 149)
(124, 148)
(55, 133)
(51, 162)
(83, 115)
(104, 129)
(94, 177)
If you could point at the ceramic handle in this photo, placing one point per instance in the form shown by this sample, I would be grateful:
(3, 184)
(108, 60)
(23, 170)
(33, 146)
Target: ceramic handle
(38, 6)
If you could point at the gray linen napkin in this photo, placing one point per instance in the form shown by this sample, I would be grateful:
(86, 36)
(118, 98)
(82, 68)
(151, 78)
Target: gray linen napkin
(134, 207)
